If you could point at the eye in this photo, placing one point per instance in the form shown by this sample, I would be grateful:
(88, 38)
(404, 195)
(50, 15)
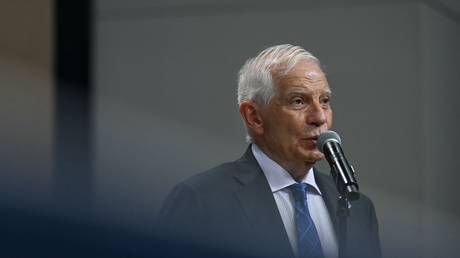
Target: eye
(297, 102)
(325, 101)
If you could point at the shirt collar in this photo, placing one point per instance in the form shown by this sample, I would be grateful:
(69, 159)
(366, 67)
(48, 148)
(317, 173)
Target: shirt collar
(278, 178)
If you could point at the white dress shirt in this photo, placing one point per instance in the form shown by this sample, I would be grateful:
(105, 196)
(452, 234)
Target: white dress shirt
(279, 180)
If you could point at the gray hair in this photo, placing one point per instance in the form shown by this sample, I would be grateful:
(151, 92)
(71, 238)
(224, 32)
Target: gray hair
(256, 82)
(256, 77)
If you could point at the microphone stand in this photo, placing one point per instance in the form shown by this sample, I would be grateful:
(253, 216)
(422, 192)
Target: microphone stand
(344, 177)
(343, 212)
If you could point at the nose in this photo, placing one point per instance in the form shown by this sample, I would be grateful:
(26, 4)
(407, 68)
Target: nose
(316, 115)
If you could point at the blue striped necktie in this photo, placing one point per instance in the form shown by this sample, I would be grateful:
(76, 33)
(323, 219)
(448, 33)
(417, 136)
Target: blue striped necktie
(308, 242)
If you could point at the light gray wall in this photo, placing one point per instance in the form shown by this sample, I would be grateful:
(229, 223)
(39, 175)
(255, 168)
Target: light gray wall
(440, 80)
(166, 105)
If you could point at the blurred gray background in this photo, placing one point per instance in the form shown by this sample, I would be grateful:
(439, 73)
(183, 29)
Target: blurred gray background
(164, 101)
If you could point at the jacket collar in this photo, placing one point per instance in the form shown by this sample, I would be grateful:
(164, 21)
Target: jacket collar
(257, 190)
(258, 204)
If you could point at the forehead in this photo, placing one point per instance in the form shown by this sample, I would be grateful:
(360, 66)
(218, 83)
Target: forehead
(304, 75)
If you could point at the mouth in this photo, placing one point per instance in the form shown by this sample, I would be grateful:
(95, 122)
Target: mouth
(312, 139)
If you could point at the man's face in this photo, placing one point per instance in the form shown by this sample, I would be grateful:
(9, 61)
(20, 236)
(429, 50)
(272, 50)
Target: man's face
(298, 112)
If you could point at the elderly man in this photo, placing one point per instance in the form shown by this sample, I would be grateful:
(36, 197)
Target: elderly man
(272, 202)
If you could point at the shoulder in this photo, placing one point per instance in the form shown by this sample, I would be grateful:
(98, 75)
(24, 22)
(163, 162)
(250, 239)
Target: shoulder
(201, 189)
(189, 194)
(226, 176)
(197, 199)
(214, 178)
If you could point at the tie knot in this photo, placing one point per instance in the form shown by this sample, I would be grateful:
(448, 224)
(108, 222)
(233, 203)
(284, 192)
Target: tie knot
(299, 191)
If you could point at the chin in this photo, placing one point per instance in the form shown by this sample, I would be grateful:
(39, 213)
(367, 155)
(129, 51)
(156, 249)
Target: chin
(316, 157)
(320, 156)
(311, 159)
(313, 155)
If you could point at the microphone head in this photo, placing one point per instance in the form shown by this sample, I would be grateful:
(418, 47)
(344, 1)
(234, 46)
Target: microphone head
(326, 137)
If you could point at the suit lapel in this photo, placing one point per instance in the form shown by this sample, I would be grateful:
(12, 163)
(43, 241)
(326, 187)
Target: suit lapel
(330, 195)
(260, 208)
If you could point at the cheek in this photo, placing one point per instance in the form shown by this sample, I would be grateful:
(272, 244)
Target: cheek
(329, 119)
(288, 124)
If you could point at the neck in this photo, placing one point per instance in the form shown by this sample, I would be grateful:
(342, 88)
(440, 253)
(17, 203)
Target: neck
(297, 173)
(297, 170)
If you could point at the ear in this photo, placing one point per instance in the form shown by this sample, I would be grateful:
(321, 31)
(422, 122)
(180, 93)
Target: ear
(250, 112)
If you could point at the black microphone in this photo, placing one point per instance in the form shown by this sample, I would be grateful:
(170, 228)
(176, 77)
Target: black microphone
(329, 144)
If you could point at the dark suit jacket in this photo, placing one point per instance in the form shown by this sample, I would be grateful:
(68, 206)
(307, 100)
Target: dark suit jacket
(231, 208)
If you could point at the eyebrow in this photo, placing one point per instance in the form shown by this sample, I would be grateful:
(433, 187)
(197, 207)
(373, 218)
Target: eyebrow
(302, 90)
